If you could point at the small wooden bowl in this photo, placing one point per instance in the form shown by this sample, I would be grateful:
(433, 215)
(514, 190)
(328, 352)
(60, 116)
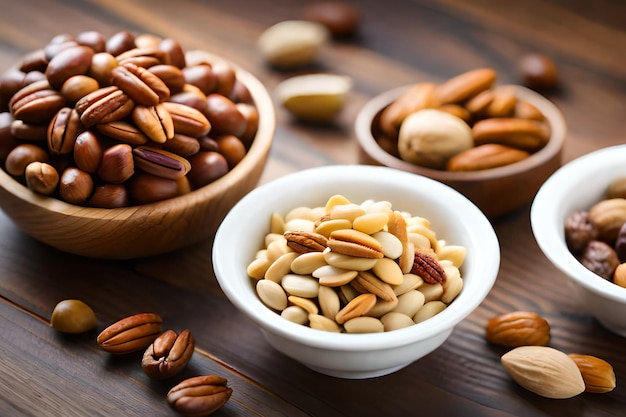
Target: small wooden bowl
(495, 191)
(149, 229)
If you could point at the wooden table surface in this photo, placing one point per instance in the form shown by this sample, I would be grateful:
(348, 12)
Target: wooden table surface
(43, 373)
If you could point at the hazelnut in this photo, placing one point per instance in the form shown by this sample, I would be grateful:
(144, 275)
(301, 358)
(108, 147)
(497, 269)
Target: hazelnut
(538, 71)
(41, 177)
(73, 316)
(600, 258)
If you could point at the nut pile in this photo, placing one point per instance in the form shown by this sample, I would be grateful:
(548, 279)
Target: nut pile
(466, 123)
(166, 354)
(355, 268)
(541, 369)
(597, 237)
(124, 120)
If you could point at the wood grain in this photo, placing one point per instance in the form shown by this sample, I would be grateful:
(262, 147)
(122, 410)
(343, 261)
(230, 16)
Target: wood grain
(401, 41)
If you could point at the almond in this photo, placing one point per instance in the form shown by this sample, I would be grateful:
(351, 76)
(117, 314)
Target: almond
(544, 371)
(518, 328)
(597, 373)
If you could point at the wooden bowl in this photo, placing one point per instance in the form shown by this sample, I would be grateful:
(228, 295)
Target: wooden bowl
(495, 191)
(149, 229)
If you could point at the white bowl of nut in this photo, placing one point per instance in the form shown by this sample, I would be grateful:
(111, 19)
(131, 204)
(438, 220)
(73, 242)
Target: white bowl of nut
(496, 144)
(577, 219)
(128, 146)
(355, 271)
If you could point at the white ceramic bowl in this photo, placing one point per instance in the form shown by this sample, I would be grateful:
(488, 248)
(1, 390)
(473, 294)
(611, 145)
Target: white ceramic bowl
(453, 217)
(578, 185)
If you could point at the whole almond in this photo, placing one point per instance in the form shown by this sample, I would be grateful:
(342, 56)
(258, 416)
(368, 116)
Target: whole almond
(518, 328)
(597, 373)
(544, 371)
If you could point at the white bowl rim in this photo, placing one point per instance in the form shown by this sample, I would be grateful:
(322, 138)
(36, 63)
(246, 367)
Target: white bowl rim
(442, 322)
(363, 130)
(547, 219)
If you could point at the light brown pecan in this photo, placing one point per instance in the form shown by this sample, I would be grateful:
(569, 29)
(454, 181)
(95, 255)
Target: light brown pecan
(428, 268)
(303, 242)
(366, 282)
(354, 243)
(131, 333)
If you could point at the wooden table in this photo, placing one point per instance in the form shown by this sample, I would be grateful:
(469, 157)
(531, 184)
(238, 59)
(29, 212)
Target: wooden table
(43, 373)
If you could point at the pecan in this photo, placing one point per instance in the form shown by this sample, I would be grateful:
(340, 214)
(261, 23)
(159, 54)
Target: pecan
(131, 333)
(428, 268)
(142, 86)
(104, 105)
(187, 120)
(36, 103)
(200, 395)
(154, 121)
(303, 242)
(466, 85)
(358, 306)
(608, 215)
(160, 163)
(168, 354)
(63, 131)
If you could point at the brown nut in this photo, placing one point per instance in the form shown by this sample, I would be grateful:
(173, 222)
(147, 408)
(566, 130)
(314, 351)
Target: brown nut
(600, 258)
(168, 354)
(42, 178)
(109, 196)
(160, 162)
(518, 328)
(88, 152)
(304, 242)
(120, 42)
(224, 116)
(579, 231)
(102, 64)
(491, 155)
(341, 19)
(200, 395)
(142, 86)
(144, 188)
(171, 75)
(63, 131)
(154, 121)
(419, 96)
(597, 373)
(428, 268)
(538, 71)
(28, 132)
(232, 148)
(36, 103)
(526, 134)
(104, 105)
(465, 86)
(206, 167)
(78, 86)
(619, 276)
(174, 51)
(187, 120)
(123, 131)
(182, 145)
(117, 164)
(73, 316)
(608, 215)
(130, 334)
(75, 186)
(21, 156)
(71, 61)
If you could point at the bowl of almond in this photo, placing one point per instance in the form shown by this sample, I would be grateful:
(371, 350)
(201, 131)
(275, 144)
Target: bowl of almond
(126, 146)
(496, 144)
(355, 271)
(578, 219)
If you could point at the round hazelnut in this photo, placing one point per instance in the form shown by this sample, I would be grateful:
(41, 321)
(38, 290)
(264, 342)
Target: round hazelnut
(41, 177)
(73, 316)
(206, 167)
(538, 71)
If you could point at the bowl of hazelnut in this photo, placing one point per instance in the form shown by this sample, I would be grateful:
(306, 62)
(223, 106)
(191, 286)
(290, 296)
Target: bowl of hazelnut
(496, 144)
(128, 146)
(578, 219)
(367, 271)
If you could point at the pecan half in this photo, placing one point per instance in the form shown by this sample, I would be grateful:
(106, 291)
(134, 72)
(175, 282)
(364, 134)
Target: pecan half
(354, 243)
(131, 333)
(200, 395)
(428, 268)
(303, 242)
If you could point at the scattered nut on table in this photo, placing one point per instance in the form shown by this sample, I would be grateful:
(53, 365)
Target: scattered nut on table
(131, 334)
(597, 373)
(341, 18)
(199, 396)
(73, 316)
(292, 43)
(518, 328)
(314, 97)
(168, 354)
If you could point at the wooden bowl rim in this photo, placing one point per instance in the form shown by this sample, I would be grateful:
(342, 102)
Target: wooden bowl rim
(363, 130)
(258, 150)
